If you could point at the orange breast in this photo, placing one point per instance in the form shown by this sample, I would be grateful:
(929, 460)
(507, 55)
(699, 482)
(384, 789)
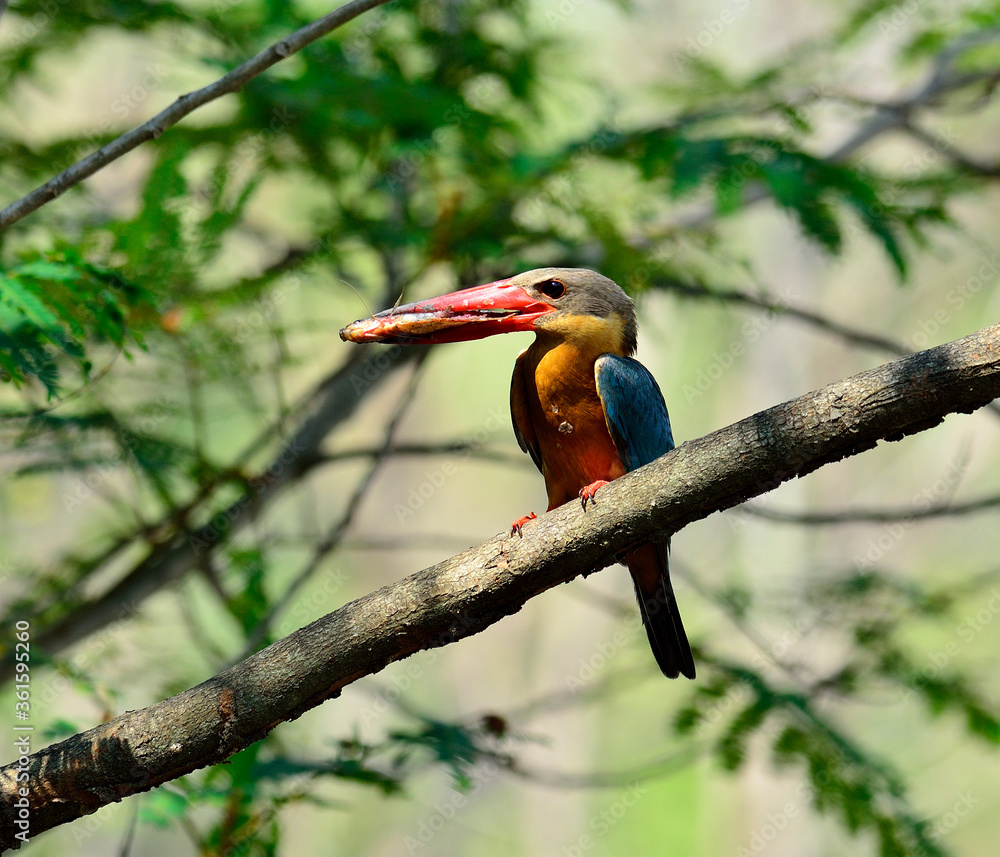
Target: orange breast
(568, 420)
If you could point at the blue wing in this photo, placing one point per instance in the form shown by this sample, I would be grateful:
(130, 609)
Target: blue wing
(634, 410)
(637, 419)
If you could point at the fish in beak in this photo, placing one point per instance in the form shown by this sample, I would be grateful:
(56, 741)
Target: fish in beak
(499, 307)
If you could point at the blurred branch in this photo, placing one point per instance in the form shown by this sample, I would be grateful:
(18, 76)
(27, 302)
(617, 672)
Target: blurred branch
(469, 592)
(427, 541)
(890, 116)
(180, 549)
(873, 516)
(613, 683)
(188, 103)
(956, 156)
(670, 763)
(336, 533)
(800, 675)
(473, 450)
(781, 307)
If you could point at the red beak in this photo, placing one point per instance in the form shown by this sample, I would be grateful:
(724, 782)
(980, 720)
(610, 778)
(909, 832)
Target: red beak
(456, 317)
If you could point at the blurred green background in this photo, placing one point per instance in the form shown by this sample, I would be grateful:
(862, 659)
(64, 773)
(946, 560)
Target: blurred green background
(792, 192)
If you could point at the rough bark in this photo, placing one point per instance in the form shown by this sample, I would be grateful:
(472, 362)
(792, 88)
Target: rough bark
(467, 593)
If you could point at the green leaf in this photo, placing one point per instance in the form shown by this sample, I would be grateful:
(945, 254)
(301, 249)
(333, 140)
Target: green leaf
(58, 307)
(163, 807)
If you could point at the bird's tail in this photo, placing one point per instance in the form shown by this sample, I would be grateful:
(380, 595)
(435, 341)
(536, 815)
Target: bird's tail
(650, 571)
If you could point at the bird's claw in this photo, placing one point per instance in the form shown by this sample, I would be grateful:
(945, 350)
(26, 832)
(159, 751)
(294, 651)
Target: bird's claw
(588, 492)
(520, 522)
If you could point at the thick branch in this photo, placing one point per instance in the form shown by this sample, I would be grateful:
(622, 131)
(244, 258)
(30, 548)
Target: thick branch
(467, 593)
(150, 130)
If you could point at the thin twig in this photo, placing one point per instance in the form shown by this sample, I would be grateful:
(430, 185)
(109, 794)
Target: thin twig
(336, 532)
(473, 450)
(153, 128)
(956, 156)
(780, 307)
(891, 116)
(133, 822)
(870, 516)
(672, 762)
(177, 549)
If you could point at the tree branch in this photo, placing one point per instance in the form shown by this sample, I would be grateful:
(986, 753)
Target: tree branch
(887, 117)
(181, 549)
(731, 295)
(467, 593)
(955, 155)
(873, 515)
(336, 532)
(781, 307)
(188, 103)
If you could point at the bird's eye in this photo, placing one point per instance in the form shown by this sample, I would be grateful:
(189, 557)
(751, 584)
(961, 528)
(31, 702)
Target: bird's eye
(553, 288)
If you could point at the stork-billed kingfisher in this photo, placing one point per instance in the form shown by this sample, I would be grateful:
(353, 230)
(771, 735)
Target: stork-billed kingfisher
(583, 409)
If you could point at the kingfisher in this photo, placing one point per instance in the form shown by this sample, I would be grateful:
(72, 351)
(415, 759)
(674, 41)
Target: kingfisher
(583, 408)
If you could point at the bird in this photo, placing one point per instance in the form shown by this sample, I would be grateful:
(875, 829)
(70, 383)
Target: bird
(583, 407)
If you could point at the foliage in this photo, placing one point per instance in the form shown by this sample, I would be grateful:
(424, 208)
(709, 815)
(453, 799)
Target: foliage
(59, 304)
(246, 793)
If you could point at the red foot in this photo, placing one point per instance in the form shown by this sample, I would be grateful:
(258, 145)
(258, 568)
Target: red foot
(588, 491)
(520, 522)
